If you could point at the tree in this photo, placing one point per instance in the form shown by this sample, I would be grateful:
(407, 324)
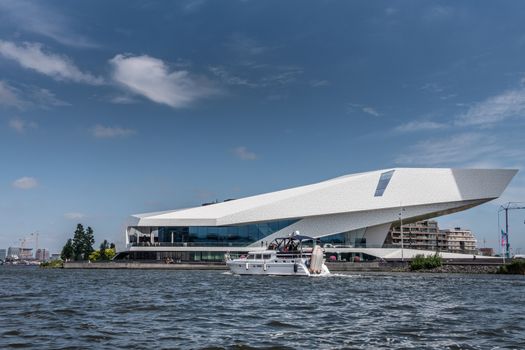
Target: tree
(106, 252)
(67, 251)
(88, 241)
(78, 242)
(103, 246)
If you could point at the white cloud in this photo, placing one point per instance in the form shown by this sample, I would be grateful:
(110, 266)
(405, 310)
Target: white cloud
(9, 96)
(229, 78)
(463, 149)
(371, 111)
(151, 78)
(390, 11)
(21, 126)
(319, 83)
(272, 76)
(34, 97)
(286, 76)
(74, 216)
(192, 6)
(44, 98)
(32, 56)
(432, 87)
(245, 45)
(509, 104)
(100, 131)
(352, 107)
(437, 13)
(43, 20)
(25, 183)
(243, 153)
(419, 125)
(122, 100)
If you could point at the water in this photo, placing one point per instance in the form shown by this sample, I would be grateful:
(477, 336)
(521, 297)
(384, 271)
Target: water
(109, 309)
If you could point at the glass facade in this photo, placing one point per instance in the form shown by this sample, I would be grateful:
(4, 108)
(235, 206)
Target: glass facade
(219, 235)
(178, 257)
(383, 183)
(353, 238)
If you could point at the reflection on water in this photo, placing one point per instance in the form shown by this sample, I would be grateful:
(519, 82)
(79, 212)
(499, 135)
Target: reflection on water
(59, 309)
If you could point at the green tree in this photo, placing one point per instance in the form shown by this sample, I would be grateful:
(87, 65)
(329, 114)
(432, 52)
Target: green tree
(79, 242)
(88, 241)
(106, 252)
(67, 251)
(103, 247)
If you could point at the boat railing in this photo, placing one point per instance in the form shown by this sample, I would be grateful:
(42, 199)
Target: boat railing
(292, 255)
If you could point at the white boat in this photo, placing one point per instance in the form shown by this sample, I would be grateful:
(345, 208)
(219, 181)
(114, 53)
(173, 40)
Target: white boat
(284, 256)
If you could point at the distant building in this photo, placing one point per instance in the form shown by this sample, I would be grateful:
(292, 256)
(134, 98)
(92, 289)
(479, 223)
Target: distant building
(13, 252)
(418, 235)
(42, 254)
(426, 235)
(54, 256)
(3, 254)
(461, 241)
(486, 251)
(20, 253)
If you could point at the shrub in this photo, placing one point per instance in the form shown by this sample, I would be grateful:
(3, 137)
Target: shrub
(516, 267)
(425, 262)
(57, 264)
(102, 255)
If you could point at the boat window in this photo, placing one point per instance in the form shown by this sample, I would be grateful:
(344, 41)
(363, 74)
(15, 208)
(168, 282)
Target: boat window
(266, 256)
(258, 256)
(251, 256)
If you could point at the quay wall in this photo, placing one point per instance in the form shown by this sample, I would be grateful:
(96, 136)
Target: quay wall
(142, 266)
(334, 267)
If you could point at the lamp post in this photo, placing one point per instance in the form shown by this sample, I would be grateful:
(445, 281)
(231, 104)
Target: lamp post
(401, 209)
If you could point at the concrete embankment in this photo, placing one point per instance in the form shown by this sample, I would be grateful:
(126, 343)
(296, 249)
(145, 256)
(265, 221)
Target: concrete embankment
(142, 266)
(334, 267)
(469, 268)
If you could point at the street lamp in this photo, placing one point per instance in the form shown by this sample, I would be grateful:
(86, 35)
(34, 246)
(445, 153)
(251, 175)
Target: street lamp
(401, 210)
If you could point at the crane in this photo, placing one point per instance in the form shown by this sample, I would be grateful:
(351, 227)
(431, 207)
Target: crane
(23, 241)
(506, 207)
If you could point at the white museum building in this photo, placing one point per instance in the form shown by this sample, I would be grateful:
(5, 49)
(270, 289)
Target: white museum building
(347, 214)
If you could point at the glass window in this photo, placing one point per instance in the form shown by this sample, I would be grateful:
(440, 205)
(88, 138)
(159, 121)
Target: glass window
(240, 235)
(383, 183)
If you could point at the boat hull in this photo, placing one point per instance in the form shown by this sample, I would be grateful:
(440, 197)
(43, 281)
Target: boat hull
(243, 267)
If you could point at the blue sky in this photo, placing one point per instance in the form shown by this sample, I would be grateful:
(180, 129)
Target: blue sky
(114, 108)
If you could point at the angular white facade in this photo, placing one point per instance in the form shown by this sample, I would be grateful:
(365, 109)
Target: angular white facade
(358, 209)
(349, 212)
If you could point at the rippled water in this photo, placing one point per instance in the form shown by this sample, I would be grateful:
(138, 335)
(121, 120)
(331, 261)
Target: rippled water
(109, 309)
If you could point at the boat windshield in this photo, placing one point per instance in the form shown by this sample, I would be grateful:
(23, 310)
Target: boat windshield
(291, 244)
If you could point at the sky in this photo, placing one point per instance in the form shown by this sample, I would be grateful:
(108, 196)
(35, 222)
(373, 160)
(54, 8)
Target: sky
(108, 109)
